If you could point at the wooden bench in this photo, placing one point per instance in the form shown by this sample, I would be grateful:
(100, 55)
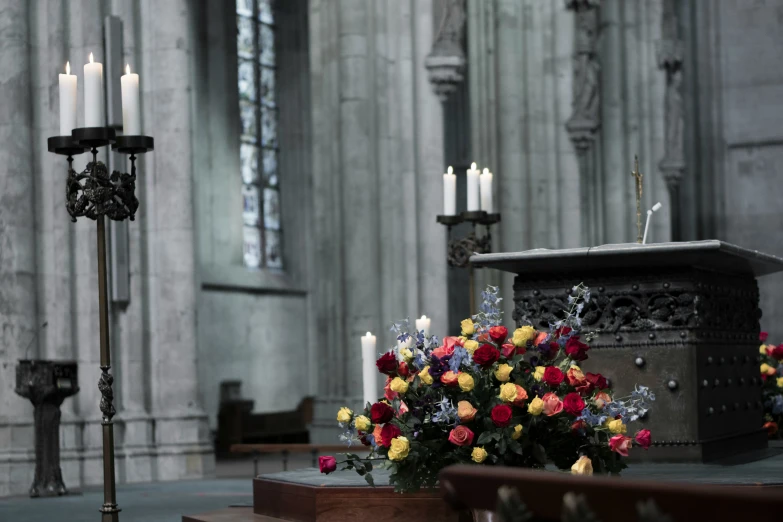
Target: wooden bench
(286, 449)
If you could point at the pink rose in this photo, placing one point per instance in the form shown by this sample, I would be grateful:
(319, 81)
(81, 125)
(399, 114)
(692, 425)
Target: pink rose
(388, 393)
(461, 436)
(620, 444)
(403, 409)
(552, 404)
(602, 399)
(447, 349)
(327, 464)
(643, 438)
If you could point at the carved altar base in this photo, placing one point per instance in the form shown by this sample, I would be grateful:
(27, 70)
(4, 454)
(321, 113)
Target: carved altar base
(681, 318)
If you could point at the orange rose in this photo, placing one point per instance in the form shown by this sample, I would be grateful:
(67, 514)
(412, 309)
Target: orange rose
(465, 411)
(376, 433)
(575, 376)
(552, 404)
(601, 399)
(449, 378)
(521, 396)
(540, 338)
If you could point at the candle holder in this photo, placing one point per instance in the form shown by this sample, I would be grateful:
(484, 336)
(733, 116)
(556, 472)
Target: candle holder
(459, 250)
(94, 193)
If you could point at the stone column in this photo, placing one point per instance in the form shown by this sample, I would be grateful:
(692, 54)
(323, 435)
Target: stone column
(181, 433)
(18, 318)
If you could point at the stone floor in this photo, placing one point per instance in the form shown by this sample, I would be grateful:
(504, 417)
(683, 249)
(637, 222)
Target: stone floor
(157, 502)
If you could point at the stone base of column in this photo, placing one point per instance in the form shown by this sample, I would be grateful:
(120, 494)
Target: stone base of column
(184, 449)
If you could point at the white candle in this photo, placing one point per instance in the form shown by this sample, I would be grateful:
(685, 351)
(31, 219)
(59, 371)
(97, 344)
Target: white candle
(369, 370)
(67, 101)
(449, 193)
(131, 113)
(93, 94)
(473, 188)
(423, 324)
(485, 180)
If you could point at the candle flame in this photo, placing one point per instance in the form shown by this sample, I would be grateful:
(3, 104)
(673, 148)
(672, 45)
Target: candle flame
(127, 68)
(368, 334)
(67, 67)
(91, 58)
(473, 166)
(450, 170)
(423, 316)
(486, 171)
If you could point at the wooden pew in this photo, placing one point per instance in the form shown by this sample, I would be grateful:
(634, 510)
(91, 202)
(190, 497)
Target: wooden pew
(286, 449)
(516, 494)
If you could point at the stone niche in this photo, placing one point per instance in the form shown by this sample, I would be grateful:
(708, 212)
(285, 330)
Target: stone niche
(681, 318)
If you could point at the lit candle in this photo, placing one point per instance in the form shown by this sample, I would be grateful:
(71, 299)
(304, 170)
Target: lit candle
(93, 94)
(485, 181)
(423, 324)
(131, 114)
(369, 370)
(449, 193)
(473, 188)
(67, 101)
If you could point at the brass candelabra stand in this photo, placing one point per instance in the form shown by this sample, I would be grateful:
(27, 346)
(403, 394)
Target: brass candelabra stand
(459, 250)
(94, 193)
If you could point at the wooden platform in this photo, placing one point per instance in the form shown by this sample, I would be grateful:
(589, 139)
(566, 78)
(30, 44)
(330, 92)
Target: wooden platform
(308, 496)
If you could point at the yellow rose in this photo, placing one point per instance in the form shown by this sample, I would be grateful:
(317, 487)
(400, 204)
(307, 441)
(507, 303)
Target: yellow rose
(425, 376)
(399, 385)
(362, 423)
(616, 426)
(539, 373)
(399, 448)
(508, 392)
(471, 346)
(465, 411)
(583, 466)
(517, 432)
(344, 416)
(465, 381)
(478, 455)
(763, 349)
(467, 327)
(523, 335)
(535, 407)
(766, 369)
(503, 372)
(780, 382)
(406, 354)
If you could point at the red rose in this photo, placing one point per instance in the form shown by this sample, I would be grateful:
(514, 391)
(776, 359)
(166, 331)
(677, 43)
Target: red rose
(498, 334)
(403, 369)
(381, 412)
(763, 337)
(576, 349)
(553, 376)
(573, 404)
(643, 438)
(508, 350)
(388, 432)
(597, 381)
(776, 352)
(501, 415)
(486, 355)
(327, 464)
(579, 427)
(771, 427)
(562, 331)
(387, 363)
(620, 444)
(461, 436)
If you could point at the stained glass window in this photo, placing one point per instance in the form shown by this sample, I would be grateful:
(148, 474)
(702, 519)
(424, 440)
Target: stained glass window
(258, 120)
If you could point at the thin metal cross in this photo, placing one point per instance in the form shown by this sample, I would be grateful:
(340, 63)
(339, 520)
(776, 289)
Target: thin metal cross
(638, 176)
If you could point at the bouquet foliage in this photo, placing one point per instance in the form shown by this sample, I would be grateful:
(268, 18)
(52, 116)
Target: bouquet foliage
(491, 398)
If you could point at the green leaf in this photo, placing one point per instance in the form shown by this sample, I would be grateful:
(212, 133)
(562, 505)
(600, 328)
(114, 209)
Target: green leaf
(502, 446)
(368, 466)
(369, 479)
(485, 438)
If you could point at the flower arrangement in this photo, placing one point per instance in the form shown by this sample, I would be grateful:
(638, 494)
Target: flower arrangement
(490, 398)
(772, 385)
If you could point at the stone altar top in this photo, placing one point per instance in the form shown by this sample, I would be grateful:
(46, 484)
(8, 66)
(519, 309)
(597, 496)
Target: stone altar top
(710, 254)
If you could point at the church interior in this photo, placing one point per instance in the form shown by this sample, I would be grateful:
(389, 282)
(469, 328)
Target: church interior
(262, 195)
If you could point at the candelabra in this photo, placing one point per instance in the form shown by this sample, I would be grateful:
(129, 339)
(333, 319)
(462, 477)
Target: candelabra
(95, 193)
(459, 250)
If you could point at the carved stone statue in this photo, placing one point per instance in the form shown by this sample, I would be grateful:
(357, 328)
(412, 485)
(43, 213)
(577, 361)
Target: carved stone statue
(586, 116)
(446, 61)
(670, 60)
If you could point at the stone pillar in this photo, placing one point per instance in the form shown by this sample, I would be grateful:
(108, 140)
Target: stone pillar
(18, 318)
(377, 153)
(181, 433)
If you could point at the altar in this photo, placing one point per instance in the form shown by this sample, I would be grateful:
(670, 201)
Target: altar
(680, 318)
